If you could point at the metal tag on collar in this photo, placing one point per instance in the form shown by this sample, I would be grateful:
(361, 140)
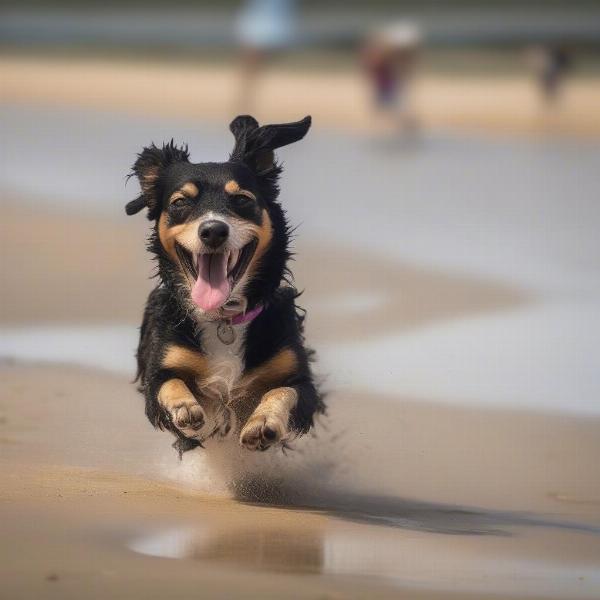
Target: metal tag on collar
(226, 332)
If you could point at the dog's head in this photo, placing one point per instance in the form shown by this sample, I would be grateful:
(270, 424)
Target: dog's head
(220, 236)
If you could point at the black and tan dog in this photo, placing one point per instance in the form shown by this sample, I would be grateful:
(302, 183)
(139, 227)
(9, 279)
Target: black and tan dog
(221, 347)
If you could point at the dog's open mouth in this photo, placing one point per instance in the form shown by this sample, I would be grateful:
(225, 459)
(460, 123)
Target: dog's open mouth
(215, 273)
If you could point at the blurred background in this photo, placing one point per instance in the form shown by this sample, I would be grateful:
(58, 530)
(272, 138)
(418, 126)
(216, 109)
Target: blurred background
(459, 138)
(447, 204)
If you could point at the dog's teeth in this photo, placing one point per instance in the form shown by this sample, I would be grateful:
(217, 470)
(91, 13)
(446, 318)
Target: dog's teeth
(233, 256)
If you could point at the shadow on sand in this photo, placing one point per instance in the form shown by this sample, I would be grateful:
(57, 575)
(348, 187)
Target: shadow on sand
(396, 512)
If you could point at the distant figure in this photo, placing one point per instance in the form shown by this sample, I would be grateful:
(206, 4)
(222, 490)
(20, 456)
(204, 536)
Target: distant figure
(264, 28)
(389, 58)
(551, 65)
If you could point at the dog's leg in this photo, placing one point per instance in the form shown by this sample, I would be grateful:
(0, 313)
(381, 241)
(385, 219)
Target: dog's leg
(270, 422)
(182, 407)
(194, 419)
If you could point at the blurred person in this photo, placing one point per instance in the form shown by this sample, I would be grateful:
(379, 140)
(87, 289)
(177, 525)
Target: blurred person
(551, 64)
(263, 28)
(389, 58)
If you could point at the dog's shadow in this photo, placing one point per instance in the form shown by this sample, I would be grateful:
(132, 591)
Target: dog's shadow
(392, 511)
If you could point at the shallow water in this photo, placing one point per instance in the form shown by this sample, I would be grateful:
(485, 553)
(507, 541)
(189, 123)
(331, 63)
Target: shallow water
(479, 565)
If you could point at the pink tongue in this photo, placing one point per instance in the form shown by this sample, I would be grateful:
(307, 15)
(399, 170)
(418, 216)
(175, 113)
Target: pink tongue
(212, 288)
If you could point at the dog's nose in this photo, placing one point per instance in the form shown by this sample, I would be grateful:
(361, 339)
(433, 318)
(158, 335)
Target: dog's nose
(214, 233)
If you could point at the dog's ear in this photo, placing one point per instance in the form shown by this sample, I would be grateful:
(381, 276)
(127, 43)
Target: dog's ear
(148, 168)
(254, 145)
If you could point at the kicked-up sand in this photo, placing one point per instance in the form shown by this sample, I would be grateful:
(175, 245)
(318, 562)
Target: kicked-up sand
(392, 496)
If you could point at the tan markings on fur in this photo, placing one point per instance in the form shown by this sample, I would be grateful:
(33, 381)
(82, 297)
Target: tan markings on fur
(277, 403)
(242, 231)
(186, 413)
(185, 234)
(265, 235)
(167, 235)
(233, 187)
(188, 190)
(174, 393)
(271, 373)
(195, 417)
(272, 413)
(185, 359)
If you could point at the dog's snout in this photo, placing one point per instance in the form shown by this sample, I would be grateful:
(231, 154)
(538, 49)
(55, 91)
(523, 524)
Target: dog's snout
(213, 233)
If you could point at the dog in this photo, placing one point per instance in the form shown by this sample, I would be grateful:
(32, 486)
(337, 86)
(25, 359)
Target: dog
(221, 349)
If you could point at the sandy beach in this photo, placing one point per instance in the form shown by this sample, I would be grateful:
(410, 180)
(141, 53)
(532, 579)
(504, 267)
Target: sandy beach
(388, 499)
(100, 510)
(495, 105)
(462, 463)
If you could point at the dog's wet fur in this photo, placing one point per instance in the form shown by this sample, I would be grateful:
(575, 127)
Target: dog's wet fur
(259, 387)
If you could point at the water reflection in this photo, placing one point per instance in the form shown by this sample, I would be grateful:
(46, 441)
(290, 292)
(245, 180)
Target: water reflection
(276, 550)
(484, 565)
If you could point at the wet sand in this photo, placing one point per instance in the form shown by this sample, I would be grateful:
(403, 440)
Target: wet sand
(499, 105)
(100, 505)
(392, 496)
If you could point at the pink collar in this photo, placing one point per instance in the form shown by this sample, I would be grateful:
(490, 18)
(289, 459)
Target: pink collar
(247, 317)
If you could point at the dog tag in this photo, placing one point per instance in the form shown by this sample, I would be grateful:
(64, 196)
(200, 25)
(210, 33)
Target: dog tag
(225, 332)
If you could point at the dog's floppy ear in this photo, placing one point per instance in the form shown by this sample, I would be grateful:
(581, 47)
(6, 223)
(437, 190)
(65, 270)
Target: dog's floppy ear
(148, 167)
(254, 145)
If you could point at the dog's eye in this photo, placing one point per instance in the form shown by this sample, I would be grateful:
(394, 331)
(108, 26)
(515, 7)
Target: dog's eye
(179, 200)
(243, 200)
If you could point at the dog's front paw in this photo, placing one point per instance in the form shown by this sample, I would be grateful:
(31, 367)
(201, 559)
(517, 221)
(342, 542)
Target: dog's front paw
(262, 432)
(189, 418)
(269, 423)
(195, 419)
(180, 408)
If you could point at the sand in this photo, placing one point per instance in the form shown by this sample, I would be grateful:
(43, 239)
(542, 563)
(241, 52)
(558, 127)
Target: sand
(498, 105)
(392, 497)
(91, 494)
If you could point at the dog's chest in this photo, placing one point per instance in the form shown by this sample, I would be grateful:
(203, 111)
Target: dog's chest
(225, 361)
